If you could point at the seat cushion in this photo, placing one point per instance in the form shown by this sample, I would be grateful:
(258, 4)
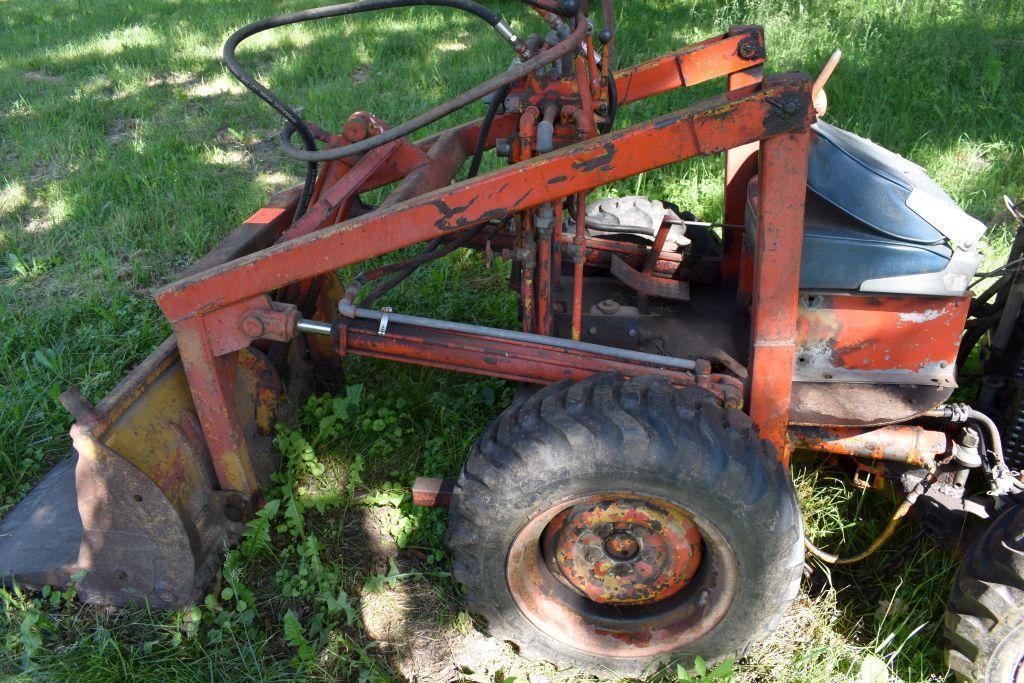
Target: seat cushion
(883, 191)
(841, 253)
(875, 222)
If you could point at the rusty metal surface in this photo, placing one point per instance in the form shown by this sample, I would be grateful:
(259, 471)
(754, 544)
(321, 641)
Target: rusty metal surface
(546, 597)
(740, 167)
(905, 444)
(689, 66)
(336, 198)
(445, 156)
(137, 508)
(776, 268)
(704, 128)
(211, 381)
(494, 357)
(875, 339)
(136, 505)
(206, 457)
(862, 405)
(650, 285)
(624, 551)
(209, 310)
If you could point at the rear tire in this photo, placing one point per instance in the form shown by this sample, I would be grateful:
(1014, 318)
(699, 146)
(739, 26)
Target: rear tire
(665, 459)
(985, 617)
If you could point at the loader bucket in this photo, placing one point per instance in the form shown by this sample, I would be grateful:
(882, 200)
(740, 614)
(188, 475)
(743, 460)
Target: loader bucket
(134, 515)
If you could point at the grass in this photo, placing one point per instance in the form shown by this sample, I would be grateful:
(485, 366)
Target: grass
(126, 153)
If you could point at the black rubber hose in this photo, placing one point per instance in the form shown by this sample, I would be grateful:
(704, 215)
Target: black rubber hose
(517, 72)
(613, 104)
(295, 122)
(485, 129)
(407, 268)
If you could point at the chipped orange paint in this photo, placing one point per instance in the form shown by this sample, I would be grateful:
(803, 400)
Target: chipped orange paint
(873, 332)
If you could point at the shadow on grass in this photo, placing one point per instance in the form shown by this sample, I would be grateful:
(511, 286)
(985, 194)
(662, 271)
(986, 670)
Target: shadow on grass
(119, 217)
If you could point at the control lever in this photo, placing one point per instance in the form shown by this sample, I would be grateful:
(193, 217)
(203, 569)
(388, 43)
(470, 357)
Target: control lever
(818, 96)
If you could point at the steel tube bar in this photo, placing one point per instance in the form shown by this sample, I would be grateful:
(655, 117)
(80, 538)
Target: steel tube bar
(212, 381)
(527, 285)
(446, 156)
(544, 318)
(484, 354)
(316, 327)
(899, 443)
(340, 193)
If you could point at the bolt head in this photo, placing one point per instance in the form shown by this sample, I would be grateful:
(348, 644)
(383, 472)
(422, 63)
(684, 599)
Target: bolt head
(623, 569)
(748, 49)
(252, 326)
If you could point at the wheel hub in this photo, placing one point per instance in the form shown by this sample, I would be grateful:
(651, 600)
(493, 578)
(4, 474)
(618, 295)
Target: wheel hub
(625, 551)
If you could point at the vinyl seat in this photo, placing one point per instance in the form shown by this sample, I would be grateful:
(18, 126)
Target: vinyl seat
(877, 222)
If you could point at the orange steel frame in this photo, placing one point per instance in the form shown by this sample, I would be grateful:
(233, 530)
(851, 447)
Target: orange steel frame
(760, 123)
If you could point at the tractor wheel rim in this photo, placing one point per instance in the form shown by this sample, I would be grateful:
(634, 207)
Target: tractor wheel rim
(658, 576)
(624, 551)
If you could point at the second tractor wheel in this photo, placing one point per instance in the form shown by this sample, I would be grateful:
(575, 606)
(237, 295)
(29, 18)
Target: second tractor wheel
(619, 524)
(985, 614)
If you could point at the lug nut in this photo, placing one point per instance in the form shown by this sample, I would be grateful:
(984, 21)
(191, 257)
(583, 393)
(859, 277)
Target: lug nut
(592, 555)
(603, 530)
(649, 555)
(623, 569)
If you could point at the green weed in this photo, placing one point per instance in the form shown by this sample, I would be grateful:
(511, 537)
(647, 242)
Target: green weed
(126, 153)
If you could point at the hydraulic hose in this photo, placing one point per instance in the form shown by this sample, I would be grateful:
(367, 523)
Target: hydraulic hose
(965, 413)
(517, 72)
(485, 129)
(957, 413)
(295, 122)
(882, 538)
(613, 105)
